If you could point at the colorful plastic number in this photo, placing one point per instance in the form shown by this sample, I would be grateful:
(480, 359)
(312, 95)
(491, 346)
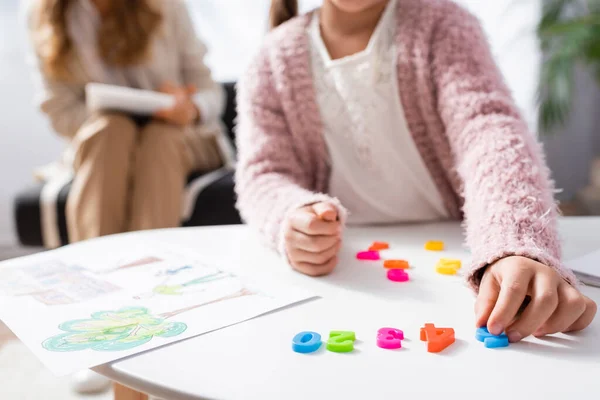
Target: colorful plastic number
(376, 246)
(437, 339)
(482, 333)
(447, 266)
(496, 342)
(491, 341)
(450, 262)
(445, 270)
(397, 275)
(434, 245)
(341, 341)
(306, 342)
(368, 255)
(396, 264)
(390, 338)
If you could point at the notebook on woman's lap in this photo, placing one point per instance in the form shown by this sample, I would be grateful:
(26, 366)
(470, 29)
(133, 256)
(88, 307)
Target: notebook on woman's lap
(102, 97)
(587, 268)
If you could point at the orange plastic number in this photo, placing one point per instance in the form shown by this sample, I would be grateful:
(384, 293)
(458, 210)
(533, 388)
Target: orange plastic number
(396, 264)
(377, 246)
(437, 338)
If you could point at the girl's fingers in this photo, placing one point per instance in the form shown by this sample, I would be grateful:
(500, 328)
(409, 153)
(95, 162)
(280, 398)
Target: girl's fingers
(320, 258)
(309, 224)
(326, 211)
(313, 244)
(489, 289)
(571, 306)
(513, 290)
(316, 270)
(544, 300)
(586, 318)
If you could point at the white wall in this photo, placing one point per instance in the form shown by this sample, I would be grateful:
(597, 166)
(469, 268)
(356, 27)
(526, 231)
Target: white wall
(510, 25)
(25, 141)
(232, 29)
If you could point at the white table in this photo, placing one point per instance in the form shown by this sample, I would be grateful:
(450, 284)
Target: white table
(254, 360)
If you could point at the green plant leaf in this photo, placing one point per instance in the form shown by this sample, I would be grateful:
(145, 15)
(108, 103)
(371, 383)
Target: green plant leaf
(556, 91)
(582, 26)
(554, 10)
(569, 33)
(592, 49)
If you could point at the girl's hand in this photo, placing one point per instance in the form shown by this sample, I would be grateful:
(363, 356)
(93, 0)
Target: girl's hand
(184, 111)
(554, 305)
(313, 239)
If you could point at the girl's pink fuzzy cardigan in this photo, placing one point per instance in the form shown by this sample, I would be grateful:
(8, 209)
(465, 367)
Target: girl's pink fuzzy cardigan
(489, 169)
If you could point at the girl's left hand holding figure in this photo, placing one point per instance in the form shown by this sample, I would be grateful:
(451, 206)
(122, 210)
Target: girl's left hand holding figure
(554, 304)
(184, 111)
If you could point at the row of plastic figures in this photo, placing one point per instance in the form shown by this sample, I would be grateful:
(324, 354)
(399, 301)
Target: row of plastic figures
(438, 339)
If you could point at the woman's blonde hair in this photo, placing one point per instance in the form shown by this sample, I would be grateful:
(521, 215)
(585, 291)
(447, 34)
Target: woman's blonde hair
(123, 40)
(282, 11)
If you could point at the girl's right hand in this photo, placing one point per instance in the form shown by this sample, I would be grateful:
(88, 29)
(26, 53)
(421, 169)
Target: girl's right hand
(524, 297)
(313, 239)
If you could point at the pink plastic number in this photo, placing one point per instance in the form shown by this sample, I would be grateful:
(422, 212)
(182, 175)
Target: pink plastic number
(397, 275)
(390, 338)
(368, 255)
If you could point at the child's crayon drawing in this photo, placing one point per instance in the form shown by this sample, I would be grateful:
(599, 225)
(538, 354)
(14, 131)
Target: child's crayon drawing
(146, 290)
(140, 262)
(185, 280)
(174, 271)
(54, 283)
(122, 329)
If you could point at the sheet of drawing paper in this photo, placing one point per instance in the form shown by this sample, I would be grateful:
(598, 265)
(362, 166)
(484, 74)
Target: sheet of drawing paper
(95, 302)
(587, 268)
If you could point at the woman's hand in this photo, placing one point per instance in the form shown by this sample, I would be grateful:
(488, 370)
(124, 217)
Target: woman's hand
(184, 111)
(313, 239)
(554, 305)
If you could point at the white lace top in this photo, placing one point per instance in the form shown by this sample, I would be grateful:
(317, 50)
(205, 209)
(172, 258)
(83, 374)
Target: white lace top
(376, 169)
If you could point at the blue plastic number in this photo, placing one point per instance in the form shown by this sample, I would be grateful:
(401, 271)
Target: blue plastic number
(491, 341)
(306, 342)
(496, 341)
(482, 333)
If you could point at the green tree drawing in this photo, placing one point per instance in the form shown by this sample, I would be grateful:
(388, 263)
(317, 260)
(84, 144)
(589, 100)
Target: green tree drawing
(123, 329)
(179, 289)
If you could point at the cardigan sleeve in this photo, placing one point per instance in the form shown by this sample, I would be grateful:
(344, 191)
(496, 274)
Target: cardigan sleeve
(509, 207)
(63, 103)
(270, 180)
(210, 98)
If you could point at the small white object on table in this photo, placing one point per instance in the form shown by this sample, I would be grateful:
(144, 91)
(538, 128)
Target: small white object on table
(254, 359)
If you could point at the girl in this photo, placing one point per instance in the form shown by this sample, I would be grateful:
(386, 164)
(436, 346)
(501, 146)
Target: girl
(395, 111)
(129, 174)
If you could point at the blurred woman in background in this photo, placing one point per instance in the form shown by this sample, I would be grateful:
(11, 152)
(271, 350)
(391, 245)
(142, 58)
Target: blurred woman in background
(129, 173)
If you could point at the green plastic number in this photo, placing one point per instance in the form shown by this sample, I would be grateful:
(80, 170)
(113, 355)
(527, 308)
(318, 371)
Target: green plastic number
(341, 341)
